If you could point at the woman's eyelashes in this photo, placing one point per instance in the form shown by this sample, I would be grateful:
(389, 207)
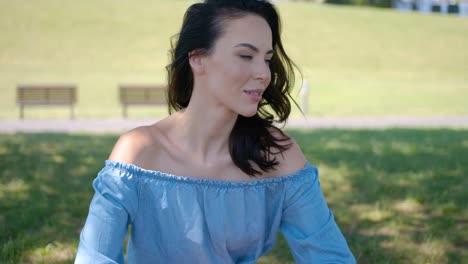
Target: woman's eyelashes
(248, 57)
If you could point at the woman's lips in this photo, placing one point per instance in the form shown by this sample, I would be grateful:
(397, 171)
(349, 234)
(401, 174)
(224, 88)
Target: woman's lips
(254, 95)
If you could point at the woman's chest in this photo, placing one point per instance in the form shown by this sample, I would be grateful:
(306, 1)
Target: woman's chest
(181, 219)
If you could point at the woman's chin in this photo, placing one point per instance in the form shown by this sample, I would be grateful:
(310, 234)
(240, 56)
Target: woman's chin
(248, 113)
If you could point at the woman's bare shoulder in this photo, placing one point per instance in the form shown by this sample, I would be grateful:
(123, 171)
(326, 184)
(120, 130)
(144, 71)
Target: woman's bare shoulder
(136, 145)
(290, 160)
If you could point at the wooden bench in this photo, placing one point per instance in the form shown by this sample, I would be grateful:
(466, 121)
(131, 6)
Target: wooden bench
(140, 94)
(46, 94)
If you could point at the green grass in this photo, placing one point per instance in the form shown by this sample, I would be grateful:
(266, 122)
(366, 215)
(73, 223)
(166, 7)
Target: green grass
(399, 195)
(358, 61)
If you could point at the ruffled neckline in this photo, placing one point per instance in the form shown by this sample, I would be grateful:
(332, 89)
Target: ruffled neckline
(138, 171)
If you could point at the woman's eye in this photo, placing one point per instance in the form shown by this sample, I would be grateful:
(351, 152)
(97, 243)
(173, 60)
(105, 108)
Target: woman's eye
(268, 61)
(247, 57)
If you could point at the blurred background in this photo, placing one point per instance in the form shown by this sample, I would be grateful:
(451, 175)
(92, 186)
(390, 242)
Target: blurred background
(399, 195)
(358, 60)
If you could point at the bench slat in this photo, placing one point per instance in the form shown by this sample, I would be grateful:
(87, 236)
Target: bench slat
(46, 94)
(141, 94)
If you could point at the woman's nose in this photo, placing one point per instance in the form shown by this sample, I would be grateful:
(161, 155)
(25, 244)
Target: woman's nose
(262, 71)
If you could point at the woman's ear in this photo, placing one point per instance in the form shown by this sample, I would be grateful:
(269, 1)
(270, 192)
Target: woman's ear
(197, 62)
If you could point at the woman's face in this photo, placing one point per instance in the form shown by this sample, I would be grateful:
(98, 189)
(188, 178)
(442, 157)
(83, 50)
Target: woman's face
(237, 70)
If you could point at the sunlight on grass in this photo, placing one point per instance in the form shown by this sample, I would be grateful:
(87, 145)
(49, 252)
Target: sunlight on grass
(335, 178)
(403, 148)
(79, 170)
(3, 150)
(14, 188)
(335, 144)
(464, 143)
(433, 248)
(57, 158)
(389, 230)
(377, 147)
(408, 206)
(429, 250)
(373, 213)
(53, 252)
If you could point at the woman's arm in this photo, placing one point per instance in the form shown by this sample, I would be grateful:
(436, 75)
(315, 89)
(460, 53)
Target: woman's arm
(307, 223)
(309, 226)
(113, 207)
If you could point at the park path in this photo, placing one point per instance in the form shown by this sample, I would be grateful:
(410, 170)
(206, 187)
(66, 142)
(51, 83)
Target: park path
(121, 125)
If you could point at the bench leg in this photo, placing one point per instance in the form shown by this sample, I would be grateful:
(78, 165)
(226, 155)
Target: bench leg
(72, 112)
(22, 112)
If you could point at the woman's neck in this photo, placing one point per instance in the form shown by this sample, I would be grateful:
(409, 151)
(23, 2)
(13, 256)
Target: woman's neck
(204, 132)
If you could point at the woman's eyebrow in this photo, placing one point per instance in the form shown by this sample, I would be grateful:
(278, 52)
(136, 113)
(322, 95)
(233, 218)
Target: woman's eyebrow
(252, 47)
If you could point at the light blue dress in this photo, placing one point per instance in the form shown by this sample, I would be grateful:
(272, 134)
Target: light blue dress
(177, 219)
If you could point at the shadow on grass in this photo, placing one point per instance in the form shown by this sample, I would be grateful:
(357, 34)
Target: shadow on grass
(45, 191)
(398, 195)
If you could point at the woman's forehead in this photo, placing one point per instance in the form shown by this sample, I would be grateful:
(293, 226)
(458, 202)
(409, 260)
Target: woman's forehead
(250, 29)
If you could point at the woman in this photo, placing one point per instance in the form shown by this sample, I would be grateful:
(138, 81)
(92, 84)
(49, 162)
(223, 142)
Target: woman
(215, 181)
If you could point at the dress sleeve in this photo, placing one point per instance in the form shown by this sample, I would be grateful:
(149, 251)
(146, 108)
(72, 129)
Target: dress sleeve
(112, 209)
(308, 224)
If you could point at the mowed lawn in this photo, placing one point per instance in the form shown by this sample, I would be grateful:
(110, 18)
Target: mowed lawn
(357, 61)
(399, 195)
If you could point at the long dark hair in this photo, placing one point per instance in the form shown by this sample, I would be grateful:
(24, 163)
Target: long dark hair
(253, 139)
